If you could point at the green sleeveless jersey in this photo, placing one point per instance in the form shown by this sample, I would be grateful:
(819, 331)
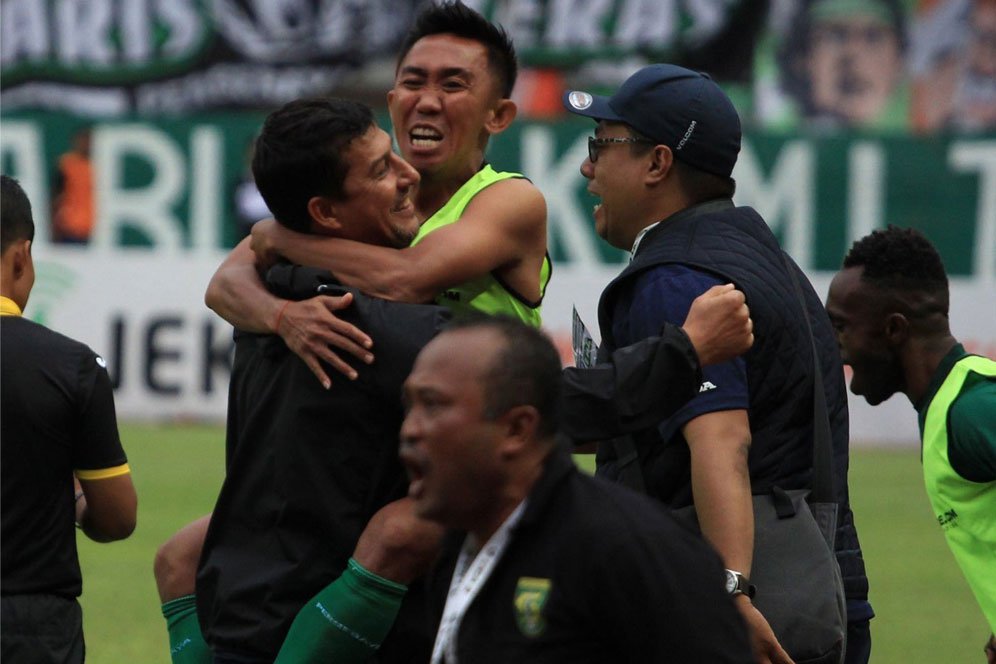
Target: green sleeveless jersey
(485, 294)
(965, 510)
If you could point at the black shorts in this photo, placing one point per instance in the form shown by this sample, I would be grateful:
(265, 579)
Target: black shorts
(41, 629)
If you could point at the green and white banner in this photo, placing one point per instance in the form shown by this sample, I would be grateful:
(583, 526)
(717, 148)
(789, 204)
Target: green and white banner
(167, 196)
(174, 185)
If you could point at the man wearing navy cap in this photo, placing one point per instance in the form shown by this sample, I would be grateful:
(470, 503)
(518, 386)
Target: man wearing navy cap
(661, 160)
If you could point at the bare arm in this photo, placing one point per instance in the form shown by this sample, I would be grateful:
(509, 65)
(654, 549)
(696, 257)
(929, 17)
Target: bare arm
(503, 224)
(107, 509)
(309, 327)
(236, 293)
(719, 443)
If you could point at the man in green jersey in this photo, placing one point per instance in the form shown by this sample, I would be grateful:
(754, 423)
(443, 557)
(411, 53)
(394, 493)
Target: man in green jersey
(889, 307)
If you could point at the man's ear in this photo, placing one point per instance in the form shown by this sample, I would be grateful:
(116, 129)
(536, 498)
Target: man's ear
(897, 329)
(324, 214)
(660, 164)
(521, 424)
(21, 258)
(501, 116)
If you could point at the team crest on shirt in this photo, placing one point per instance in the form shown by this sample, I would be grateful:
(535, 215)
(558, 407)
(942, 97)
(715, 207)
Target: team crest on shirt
(530, 598)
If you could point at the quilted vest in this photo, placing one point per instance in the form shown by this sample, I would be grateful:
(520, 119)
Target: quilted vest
(736, 245)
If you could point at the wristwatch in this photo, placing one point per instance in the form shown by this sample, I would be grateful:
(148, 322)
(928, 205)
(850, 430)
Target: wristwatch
(738, 584)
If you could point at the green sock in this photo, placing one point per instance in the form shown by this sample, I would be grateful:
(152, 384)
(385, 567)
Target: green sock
(345, 622)
(186, 643)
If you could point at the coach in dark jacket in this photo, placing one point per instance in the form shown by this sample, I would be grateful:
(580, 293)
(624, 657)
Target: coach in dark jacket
(665, 147)
(545, 564)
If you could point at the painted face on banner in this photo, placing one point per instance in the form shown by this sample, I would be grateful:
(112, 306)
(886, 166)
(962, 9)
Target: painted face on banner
(854, 65)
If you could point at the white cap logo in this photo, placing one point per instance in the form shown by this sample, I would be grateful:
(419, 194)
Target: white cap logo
(101, 363)
(579, 100)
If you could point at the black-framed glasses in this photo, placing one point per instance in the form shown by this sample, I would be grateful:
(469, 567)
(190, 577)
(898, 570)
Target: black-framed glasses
(596, 144)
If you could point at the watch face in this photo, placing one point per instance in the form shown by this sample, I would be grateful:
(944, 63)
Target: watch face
(731, 582)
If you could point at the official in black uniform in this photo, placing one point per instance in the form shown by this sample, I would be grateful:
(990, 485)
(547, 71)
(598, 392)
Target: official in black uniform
(57, 421)
(545, 564)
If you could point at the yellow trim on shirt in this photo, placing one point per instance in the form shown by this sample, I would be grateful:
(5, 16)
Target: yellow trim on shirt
(103, 473)
(8, 307)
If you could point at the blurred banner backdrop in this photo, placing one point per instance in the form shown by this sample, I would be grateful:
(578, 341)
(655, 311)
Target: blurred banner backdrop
(130, 125)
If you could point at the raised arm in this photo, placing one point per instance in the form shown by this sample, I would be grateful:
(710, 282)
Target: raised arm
(648, 381)
(309, 327)
(502, 226)
(236, 293)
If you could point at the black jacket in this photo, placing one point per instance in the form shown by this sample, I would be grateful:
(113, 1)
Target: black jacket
(596, 573)
(306, 468)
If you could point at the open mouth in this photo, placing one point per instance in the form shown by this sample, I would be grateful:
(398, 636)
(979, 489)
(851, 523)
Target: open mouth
(416, 481)
(597, 206)
(425, 137)
(404, 206)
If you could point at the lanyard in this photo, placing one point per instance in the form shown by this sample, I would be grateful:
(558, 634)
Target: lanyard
(469, 575)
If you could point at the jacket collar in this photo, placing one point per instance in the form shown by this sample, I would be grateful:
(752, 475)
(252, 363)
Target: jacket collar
(556, 469)
(698, 210)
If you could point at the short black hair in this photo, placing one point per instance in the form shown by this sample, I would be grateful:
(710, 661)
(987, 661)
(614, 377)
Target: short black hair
(526, 371)
(900, 259)
(702, 186)
(16, 222)
(300, 153)
(456, 18)
(699, 185)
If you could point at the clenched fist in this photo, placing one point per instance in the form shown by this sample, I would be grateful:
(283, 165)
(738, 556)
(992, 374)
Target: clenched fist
(719, 325)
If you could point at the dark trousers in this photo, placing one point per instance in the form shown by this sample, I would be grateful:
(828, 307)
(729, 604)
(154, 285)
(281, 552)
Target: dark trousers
(859, 643)
(41, 629)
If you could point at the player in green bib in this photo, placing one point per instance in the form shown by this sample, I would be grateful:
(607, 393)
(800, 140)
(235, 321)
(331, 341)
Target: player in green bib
(889, 306)
(486, 293)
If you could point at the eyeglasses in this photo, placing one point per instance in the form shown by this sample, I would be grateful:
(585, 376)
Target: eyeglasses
(596, 144)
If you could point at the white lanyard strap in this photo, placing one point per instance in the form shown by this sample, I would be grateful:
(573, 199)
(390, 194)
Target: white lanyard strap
(469, 576)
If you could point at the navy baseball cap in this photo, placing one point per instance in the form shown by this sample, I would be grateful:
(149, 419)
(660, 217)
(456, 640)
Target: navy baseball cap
(677, 107)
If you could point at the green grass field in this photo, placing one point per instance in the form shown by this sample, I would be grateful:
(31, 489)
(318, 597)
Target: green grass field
(926, 613)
